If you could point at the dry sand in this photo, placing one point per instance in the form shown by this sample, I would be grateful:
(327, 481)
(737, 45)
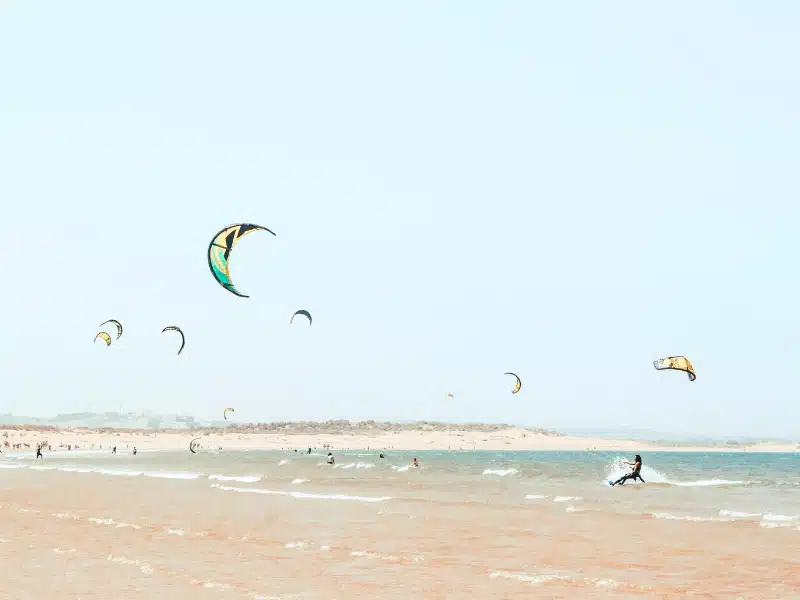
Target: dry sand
(347, 436)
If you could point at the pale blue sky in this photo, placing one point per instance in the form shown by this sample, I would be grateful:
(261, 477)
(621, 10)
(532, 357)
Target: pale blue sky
(564, 190)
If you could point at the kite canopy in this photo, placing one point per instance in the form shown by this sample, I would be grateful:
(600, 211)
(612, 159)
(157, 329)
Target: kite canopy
(226, 411)
(303, 312)
(450, 396)
(219, 251)
(676, 363)
(117, 324)
(103, 336)
(178, 329)
(518, 385)
(192, 444)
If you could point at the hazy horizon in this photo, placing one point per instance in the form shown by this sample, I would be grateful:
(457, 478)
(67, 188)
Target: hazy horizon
(568, 192)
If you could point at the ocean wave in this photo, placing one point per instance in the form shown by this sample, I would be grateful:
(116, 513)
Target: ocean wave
(236, 478)
(671, 517)
(535, 497)
(500, 472)
(301, 495)
(566, 498)
(707, 482)
(171, 475)
(299, 480)
(356, 465)
(736, 514)
(781, 518)
(572, 579)
(119, 473)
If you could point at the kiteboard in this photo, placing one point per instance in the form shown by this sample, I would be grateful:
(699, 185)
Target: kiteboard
(611, 483)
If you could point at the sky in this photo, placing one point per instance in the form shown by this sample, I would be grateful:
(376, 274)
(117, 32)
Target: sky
(565, 190)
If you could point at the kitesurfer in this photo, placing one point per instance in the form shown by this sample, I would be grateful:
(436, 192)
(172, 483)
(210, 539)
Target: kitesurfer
(309, 451)
(330, 458)
(635, 474)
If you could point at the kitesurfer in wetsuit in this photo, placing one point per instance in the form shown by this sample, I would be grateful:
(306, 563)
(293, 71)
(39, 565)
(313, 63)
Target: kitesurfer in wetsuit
(635, 474)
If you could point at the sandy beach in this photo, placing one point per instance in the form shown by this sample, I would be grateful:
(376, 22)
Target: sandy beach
(353, 436)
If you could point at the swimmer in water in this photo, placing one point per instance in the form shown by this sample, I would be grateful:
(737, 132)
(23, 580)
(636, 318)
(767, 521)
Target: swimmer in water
(330, 459)
(635, 474)
(415, 462)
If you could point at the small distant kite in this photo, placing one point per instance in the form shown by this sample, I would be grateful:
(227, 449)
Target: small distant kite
(303, 312)
(450, 396)
(178, 329)
(219, 251)
(676, 363)
(192, 445)
(518, 385)
(103, 336)
(225, 413)
(117, 324)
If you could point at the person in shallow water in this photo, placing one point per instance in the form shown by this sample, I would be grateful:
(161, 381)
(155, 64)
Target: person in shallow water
(39, 451)
(415, 462)
(330, 458)
(635, 474)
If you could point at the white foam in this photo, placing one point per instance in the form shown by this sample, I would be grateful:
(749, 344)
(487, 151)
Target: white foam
(707, 482)
(524, 577)
(736, 514)
(402, 469)
(239, 479)
(168, 475)
(566, 498)
(357, 465)
(535, 497)
(119, 473)
(575, 509)
(297, 545)
(500, 472)
(175, 532)
(76, 469)
(284, 462)
(122, 560)
(781, 518)
(303, 495)
(299, 480)
(9, 466)
(671, 517)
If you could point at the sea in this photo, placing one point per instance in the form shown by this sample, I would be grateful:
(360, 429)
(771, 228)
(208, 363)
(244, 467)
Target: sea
(464, 524)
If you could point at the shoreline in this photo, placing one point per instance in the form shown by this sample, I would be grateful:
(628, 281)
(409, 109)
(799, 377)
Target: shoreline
(384, 437)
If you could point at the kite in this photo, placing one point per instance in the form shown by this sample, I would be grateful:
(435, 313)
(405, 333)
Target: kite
(518, 384)
(103, 336)
(226, 411)
(450, 396)
(117, 324)
(192, 445)
(677, 363)
(219, 251)
(178, 329)
(301, 312)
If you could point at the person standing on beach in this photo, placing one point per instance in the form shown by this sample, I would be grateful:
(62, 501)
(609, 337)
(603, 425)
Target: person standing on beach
(635, 474)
